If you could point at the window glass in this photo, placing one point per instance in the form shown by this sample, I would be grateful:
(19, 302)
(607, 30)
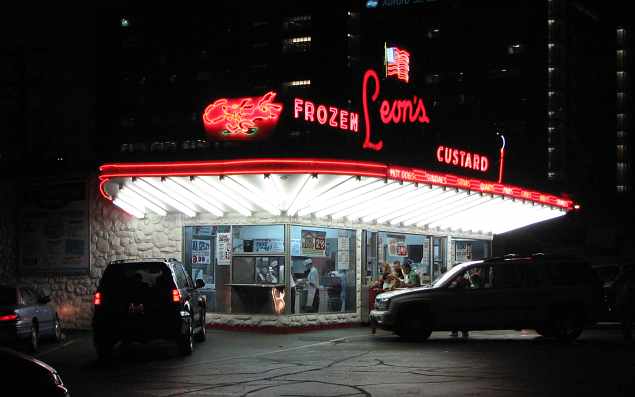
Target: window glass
(258, 239)
(398, 249)
(28, 297)
(181, 279)
(507, 276)
(323, 269)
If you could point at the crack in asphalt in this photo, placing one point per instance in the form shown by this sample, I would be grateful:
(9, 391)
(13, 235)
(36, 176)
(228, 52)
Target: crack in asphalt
(275, 377)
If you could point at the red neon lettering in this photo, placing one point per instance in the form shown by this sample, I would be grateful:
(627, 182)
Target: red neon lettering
(297, 107)
(343, 119)
(439, 154)
(338, 118)
(368, 75)
(484, 163)
(462, 158)
(333, 118)
(309, 108)
(241, 115)
(321, 114)
(354, 122)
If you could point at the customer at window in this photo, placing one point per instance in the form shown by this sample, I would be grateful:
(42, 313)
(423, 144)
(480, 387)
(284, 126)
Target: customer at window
(411, 278)
(396, 269)
(381, 281)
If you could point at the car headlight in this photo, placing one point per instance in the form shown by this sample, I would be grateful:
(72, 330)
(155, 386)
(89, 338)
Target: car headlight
(382, 303)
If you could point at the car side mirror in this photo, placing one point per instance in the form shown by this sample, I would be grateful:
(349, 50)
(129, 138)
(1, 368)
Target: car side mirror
(44, 299)
(200, 283)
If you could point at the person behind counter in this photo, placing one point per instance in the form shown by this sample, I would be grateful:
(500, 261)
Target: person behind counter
(387, 280)
(313, 280)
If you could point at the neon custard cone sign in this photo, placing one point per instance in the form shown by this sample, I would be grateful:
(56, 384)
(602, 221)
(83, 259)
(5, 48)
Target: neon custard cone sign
(242, 118)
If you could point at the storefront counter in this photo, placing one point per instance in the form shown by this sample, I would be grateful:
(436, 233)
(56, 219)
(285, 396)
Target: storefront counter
(254, 298)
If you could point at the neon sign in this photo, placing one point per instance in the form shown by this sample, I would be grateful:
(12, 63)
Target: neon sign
(399, 111)
(336, 118)
(462, 158)
(242, 118)
(397, 63)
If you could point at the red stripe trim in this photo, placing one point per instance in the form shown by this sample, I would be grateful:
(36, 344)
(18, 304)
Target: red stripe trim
(320, 166)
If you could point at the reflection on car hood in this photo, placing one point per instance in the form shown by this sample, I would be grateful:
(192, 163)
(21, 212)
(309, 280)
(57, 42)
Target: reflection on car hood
(391, 294)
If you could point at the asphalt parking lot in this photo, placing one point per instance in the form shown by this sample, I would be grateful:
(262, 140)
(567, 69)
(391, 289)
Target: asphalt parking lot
(352, 361)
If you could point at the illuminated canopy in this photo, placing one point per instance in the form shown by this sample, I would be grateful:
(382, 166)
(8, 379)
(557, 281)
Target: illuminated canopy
(355, 191)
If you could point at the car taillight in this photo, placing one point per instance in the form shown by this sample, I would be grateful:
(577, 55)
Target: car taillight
(176, 296)
(9, 317)
(97, 299)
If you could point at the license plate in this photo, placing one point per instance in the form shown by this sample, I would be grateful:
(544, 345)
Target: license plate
(135, 309)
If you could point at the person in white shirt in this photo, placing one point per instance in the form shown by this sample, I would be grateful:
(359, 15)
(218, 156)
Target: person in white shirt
(313, 280)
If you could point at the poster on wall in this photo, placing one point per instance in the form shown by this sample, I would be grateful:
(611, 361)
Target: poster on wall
(201, 252)
(343, 257)
(223, 248)
(54, 228)
(313, 243)
(397, 245)
(462, 251)
(268, 245)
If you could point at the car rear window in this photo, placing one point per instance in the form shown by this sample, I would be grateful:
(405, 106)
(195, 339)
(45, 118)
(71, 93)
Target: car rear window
(135, 276)
(8, 296)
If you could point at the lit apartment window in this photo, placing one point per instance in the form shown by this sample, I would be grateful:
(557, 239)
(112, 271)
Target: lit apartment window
(551, 149)
(551, 175)
(434, 33)
(124, 22)
(551, 45)
(621, 134)
(433, 78)
(514, 49)
(620, 188)
(297, 44)
(298, 83)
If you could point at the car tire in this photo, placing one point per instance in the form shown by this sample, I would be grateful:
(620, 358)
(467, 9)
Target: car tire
(186, 340)
(202, 333)
(57, 330)
(568, 324)
(34, 338)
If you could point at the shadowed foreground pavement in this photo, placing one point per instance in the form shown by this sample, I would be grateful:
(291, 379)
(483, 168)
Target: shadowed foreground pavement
(352, 362)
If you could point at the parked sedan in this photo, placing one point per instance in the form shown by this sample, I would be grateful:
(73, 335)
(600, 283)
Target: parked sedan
(26, 317)
(28, 376)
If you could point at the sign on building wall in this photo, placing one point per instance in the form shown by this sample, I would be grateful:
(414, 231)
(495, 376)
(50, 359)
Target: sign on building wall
(223, 248)
(201, 251)
(313, 243)
(54, 232)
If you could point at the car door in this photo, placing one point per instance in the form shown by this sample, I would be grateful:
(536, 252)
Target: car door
(465, 304)
(46, 314)
(514, 299)
(28, 309)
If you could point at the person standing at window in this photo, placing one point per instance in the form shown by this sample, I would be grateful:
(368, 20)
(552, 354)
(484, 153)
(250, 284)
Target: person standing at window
(313, 280)
(411, 279)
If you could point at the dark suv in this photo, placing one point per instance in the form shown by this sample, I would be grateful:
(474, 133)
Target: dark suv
(555, 295)
(145, 299)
